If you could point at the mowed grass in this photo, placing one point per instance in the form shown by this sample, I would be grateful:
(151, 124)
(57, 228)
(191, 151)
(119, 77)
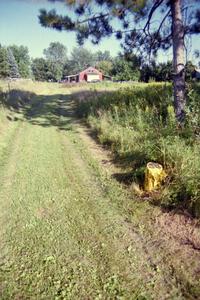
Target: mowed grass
(68, 230)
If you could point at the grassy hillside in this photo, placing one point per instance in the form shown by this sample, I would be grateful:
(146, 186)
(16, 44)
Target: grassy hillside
(139, 125)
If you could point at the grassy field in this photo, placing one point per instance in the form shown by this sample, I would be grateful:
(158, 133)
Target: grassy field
(139, 125)
(69, 230)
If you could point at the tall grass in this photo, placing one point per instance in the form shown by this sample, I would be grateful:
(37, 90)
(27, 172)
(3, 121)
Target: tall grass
(139, 125)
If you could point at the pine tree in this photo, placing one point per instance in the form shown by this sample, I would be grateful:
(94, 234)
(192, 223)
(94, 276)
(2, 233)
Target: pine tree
(13, 67)
(21, 55)
(4, 66)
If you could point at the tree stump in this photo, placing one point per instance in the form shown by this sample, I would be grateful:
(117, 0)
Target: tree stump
(154, 175)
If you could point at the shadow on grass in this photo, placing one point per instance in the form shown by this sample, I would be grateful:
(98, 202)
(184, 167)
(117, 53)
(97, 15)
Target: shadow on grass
(58, 110)
(42, 110)
(45, 110)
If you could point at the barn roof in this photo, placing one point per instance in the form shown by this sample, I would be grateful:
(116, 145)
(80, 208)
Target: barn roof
(91, 70)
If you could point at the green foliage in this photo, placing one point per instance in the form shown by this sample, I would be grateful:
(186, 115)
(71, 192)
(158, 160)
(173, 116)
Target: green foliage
(4, 65)
(189, 71)
(46, 70)
(55, 71)
(57, 65)
(13, 67)
(56, 53)
(125, 70)
(139, 124)
(103, 56)
(56, 57)
(40, 69)
(21, 54)
(105, 66)
(80, 59)
(140, 28)
(156, 72)
(193, 109)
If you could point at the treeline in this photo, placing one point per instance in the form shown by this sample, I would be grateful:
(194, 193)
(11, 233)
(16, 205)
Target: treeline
(15, 62)
(56, 64)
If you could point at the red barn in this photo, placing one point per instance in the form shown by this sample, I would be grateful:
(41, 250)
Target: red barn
(89, 75)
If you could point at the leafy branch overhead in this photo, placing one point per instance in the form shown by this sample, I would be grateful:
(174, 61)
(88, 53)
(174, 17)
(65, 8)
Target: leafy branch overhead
(141, 25)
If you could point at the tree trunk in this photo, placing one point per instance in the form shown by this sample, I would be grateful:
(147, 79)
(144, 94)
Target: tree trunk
(178, 60)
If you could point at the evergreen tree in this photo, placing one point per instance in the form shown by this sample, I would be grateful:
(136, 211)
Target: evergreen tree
(13, 67)
(4, 65)
(21, 54)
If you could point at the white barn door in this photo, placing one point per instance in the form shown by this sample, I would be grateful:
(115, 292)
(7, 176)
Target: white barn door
(91, 77)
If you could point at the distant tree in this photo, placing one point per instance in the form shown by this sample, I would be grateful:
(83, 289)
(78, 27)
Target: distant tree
(21, 54)
(4, 65)
(145, 73)
(68, 68)
(13, 67)
(156, 71)
(123, 70)
(56, 53)
(189, 70)
(103, 56)
(54, 71)
(105, 66)
(165, 71)
(25, 70)
(56, 58)
(138, 30)
(80, 59)
(40, 69)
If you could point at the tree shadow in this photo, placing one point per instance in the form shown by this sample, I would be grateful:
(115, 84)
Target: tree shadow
(58, 110)
(45, 110)
(41, 110)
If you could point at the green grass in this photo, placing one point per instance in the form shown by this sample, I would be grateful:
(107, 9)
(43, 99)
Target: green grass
(138, 123)
(68, 230)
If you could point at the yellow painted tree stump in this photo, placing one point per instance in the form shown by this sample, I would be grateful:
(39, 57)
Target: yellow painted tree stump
(154, 175)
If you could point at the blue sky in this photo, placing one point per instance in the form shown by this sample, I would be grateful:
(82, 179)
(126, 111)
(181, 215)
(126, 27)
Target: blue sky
(19, 25)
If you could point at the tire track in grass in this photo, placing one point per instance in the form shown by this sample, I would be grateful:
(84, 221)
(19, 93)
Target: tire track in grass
(50, 236)
(123, 248)
(175, 268)
(8, 159)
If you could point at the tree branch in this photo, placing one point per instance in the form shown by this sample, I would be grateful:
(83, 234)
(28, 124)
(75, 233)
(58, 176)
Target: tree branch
(154, 7)
(161, 24)
(93, 18)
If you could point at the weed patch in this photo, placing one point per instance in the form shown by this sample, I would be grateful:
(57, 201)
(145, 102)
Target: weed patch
(139, 125)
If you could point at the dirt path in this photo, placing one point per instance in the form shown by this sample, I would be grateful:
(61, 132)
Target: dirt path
(69, 231)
